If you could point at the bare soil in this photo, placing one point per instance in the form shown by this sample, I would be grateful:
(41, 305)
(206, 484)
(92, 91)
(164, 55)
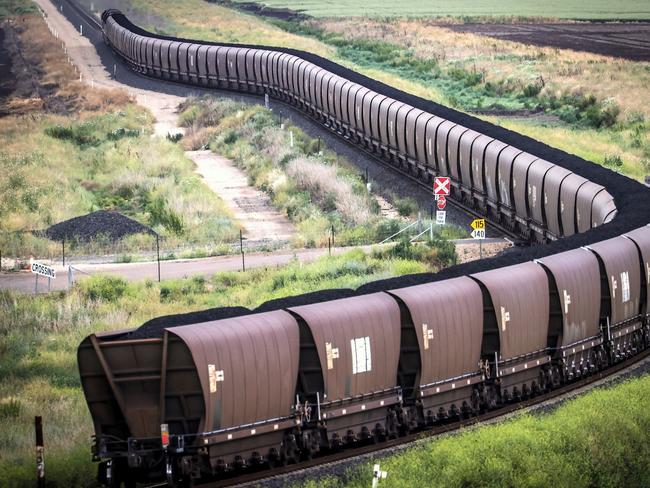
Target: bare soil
(628, 40)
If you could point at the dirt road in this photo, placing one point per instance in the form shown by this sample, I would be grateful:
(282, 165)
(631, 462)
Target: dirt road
(250, 206)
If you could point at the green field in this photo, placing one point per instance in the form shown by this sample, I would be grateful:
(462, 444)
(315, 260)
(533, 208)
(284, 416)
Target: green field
(563, 9)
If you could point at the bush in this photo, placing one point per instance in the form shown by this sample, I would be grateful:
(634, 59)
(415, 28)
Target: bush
(406, 206)
(104, 288)
(613, 160)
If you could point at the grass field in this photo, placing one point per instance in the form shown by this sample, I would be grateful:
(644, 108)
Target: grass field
(584, 443)
(568, 9)
(39, 337)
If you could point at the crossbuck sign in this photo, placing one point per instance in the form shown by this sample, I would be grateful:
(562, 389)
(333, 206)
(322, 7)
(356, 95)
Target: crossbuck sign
(441, 186)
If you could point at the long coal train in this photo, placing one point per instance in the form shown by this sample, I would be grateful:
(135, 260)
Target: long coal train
(189, 397)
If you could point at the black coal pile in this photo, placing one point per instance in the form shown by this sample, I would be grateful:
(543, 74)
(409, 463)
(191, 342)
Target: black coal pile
(156, 327)
(110, 225)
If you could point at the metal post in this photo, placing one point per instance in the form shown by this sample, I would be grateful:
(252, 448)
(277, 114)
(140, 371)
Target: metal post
(81, 30)
(480, 248)
(318, 150)
(36, 285)
(40, 452)
(0, 259)
(291, 137)
(158, 255)
(49, 284)
(241, 250)
(266, 101)
(367, 176)
(329, 245)
(63, 249)
(332, 235)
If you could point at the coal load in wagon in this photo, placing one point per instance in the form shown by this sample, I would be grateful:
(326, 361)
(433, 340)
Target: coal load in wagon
(109, 225)
(156, 327)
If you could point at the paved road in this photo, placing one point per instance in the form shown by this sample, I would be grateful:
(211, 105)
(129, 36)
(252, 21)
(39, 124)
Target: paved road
(24, 281)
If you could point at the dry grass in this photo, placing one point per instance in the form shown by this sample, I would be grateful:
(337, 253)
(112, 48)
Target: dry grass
(562, 70)
(325, 186)
(52, 79)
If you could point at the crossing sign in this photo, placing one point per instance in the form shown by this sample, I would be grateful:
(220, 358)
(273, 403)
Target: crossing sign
(441, 185)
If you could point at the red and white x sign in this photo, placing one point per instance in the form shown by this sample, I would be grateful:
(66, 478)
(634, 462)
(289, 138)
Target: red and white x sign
(441, 185)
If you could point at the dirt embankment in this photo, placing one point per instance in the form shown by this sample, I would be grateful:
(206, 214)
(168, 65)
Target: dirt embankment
(37, 74)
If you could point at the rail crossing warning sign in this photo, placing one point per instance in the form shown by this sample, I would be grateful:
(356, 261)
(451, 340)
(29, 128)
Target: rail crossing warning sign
(441, 186)
(41, 269)
(478, 226)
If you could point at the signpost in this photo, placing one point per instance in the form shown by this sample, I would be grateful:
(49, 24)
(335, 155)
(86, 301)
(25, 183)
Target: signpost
(40, 452)
(478, 232)
(441, 190)
(41, 269)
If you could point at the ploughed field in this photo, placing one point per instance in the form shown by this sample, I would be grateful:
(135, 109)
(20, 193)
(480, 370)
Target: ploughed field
(564, 9)
(623, 40)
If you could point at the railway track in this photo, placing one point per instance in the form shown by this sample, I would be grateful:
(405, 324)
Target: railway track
(262, 477)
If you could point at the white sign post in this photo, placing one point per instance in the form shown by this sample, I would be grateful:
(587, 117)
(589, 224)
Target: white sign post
(42, 270)
(478, 232)
(378, 474)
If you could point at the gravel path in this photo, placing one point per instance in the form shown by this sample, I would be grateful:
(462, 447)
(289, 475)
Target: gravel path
(251, 207)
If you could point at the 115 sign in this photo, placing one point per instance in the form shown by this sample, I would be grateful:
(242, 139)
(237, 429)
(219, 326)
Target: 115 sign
(478, 229)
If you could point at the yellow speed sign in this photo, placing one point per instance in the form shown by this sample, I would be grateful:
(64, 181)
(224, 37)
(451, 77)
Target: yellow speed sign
(478, 224)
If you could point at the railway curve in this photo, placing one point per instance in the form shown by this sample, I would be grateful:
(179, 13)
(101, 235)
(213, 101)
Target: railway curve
(188, 397)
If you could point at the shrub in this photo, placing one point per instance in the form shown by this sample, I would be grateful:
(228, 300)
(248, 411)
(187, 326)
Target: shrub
(406, 206)
(613, 160)
(104, 288)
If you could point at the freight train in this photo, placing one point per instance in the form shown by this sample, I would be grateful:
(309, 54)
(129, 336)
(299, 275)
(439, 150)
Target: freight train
(192, 397)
